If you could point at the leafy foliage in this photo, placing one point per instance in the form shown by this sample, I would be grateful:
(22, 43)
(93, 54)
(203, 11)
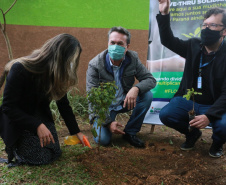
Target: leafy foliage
(55, 112)
(78, 103)
(100, 98)
(1, 99)
(190, 93)
(94, 132)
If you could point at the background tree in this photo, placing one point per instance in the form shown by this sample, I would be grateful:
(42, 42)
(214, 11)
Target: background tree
(3, 30)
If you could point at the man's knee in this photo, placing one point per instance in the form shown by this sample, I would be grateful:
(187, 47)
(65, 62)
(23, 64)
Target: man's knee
(147, 99)
(223, 128)
(220, 129)
(163, 115)
(167, 117)
(104, 141)
(105, 138)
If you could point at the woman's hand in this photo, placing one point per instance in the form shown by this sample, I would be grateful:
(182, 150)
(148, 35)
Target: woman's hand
(80, 136)
(44, 135)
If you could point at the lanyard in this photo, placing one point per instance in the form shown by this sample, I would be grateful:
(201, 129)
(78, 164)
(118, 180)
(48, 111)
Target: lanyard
(203, 65)
(199, 80)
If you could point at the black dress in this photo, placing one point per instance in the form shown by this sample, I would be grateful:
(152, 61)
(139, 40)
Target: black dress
(24, 108)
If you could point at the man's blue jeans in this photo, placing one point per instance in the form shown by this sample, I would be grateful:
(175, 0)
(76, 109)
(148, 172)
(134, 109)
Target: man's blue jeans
(133, 125)
(175, 115)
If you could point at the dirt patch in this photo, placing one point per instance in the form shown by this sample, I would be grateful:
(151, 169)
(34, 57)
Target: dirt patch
(161, 162)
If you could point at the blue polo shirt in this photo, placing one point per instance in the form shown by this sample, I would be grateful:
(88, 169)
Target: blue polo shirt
(119, 95)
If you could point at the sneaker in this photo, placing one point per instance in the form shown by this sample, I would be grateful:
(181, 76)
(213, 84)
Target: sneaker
(216, 150)
(191, 139)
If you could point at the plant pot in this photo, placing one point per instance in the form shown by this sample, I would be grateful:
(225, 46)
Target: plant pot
(191, 115)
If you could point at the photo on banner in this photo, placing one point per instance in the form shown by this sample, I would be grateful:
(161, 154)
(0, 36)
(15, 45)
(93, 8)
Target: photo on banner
(166, 66)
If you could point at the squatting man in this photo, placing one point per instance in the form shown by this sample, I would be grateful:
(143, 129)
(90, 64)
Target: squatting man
(205, 70)
(121, 65)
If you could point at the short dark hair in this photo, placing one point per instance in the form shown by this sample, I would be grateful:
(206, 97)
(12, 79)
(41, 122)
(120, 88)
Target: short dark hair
(215, 11)
(121, 30)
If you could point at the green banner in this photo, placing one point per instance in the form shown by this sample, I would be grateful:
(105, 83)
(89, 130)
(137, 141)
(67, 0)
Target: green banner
(167, 84)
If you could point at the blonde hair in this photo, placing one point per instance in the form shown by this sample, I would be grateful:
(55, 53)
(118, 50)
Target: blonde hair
(56, 64)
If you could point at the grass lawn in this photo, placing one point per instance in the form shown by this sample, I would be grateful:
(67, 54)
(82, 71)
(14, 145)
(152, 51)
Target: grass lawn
(63, 171)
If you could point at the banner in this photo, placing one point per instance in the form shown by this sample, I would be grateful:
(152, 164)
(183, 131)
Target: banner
(166, 66)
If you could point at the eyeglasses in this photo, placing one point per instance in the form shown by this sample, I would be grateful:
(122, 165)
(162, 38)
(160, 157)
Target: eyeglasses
(210, 25)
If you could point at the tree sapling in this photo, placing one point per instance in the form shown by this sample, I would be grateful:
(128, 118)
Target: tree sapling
(191, 93)
(100, 98)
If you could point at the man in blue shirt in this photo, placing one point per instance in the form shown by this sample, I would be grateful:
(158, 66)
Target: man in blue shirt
(121, 65)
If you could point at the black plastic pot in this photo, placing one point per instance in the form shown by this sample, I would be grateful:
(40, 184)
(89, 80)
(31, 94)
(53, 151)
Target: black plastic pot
(191, 117)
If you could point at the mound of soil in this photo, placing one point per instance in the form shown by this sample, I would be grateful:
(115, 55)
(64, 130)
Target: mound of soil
(161, 162)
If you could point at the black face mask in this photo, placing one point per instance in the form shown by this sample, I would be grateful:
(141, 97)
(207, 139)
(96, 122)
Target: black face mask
(209, 37)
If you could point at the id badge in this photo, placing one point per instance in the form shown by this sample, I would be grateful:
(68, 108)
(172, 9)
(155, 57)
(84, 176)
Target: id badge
(199, 82)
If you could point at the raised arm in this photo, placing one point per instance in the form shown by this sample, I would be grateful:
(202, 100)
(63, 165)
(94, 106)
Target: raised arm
(164, 6)
(167, 38)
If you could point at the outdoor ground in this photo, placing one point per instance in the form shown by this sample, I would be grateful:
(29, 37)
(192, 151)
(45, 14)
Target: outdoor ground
(161, 162)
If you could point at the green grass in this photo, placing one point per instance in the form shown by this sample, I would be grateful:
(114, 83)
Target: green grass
(1, 98)
(79, 105)
(65, 170)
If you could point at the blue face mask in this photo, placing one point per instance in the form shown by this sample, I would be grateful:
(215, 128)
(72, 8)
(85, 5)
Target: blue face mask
(116, 52)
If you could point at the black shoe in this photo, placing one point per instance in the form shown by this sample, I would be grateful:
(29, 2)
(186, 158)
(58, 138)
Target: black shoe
(216, 150)
(191, 139)
(133, 140)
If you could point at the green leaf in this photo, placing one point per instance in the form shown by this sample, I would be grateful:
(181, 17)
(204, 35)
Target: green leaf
(191, 92)
(94, 132)
(99, 122)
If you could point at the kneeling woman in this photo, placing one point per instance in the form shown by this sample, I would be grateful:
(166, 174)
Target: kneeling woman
(26, 123)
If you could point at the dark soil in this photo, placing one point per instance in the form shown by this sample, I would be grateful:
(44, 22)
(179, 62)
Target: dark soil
(161, 162)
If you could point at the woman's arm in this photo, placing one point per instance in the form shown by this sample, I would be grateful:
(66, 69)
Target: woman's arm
(69, 118)
(68, 115)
